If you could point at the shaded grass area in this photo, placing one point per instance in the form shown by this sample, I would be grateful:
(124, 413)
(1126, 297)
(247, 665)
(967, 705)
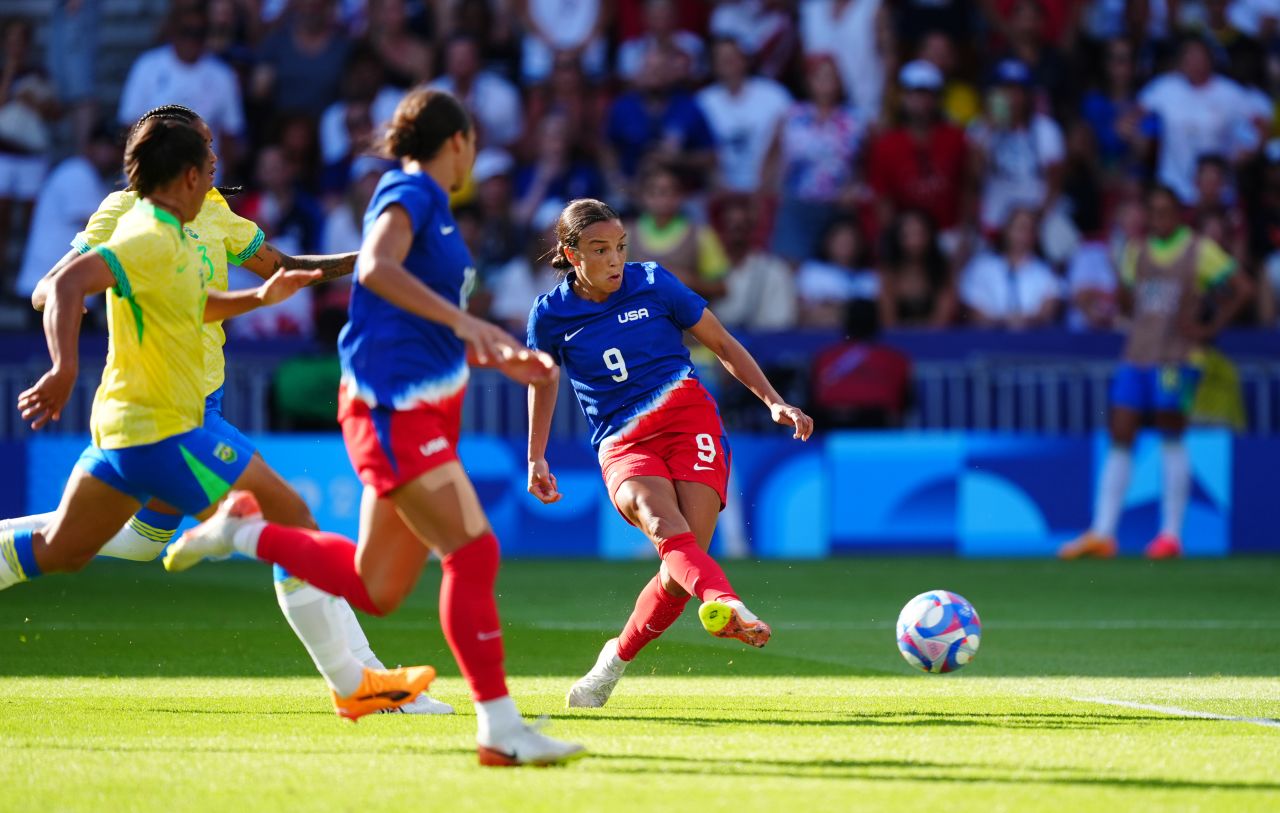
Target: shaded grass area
(125, 688)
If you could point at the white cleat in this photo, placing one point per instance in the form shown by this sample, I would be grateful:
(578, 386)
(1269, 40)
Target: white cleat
(527, 745)
(422, 704)
(593, 689)
(212, 539)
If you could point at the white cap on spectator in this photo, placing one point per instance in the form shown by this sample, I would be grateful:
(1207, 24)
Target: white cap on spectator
(920, 75)
(490, 163)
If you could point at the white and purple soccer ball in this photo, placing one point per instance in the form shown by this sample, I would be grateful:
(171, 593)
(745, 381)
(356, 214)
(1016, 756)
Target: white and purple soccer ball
(939, 631)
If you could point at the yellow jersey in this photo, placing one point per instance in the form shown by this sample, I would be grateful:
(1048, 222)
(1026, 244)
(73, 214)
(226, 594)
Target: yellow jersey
(153, 384)
(220, 236)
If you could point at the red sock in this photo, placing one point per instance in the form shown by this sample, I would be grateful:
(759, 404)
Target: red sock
(323, 560)
(469, 616)
(655, 611)
(693, 569)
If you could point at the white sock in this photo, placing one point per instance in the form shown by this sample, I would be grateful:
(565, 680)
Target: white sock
(743, 612)
(357, 641)
(32, 523)
(1177, 486)
(245, 538)
(309, 612)
(496, 719)
(1112, 486)
(129, 543)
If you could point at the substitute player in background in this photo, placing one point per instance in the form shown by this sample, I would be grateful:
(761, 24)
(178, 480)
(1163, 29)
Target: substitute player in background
(617, 329)
(326, 626)
(404, 359)
(1166, 280)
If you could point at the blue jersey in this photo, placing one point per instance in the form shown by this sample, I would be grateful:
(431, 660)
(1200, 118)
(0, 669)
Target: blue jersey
(391, 357)
(625, 356)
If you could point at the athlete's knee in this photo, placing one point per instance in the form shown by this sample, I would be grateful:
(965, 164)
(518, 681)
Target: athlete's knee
(653, 519)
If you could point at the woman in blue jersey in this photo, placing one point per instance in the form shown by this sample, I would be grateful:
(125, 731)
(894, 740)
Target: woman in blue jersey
(617, 330)
(405, 354)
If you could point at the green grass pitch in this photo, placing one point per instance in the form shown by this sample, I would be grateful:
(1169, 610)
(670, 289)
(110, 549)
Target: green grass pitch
(125, 688)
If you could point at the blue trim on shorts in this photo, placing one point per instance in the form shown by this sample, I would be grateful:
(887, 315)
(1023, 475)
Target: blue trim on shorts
(1171, 388)
(220, 426)
(191, 471)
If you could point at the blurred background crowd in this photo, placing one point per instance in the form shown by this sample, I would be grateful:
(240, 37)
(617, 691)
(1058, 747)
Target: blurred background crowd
(837, 164)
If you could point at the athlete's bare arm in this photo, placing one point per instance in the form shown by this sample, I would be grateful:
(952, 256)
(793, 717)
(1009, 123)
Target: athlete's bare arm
(542, 406)
(269, 259)
(66, 286)
(281, 285)
(41, 294)
(743, 367)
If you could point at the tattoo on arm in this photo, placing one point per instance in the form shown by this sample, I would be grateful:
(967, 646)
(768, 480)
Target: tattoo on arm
(332, 266)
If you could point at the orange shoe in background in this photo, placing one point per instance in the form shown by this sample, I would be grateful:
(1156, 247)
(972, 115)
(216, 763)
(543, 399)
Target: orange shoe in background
(1089, 545)
(383, 689)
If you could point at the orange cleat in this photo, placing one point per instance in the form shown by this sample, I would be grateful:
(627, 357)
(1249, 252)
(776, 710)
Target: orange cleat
(723, 620)
(1089, 545)
(1164, 546)
(383, 689)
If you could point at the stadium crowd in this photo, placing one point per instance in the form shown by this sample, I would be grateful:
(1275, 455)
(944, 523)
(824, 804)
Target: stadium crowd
(953, 162)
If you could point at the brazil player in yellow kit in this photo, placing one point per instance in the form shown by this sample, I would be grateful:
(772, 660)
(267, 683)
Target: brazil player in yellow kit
(326, 626)
(148, 438)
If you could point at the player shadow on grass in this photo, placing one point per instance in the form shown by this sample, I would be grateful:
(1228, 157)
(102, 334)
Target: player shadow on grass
(1028, 720)
(900, 771)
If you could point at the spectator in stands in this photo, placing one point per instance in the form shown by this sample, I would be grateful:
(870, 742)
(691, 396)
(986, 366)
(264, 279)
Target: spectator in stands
(26, 105)
(291, 219)
(840, 273)
(960, 100)
(1112, 110)
(553, 27)
(916, 21)
(760, 291)
(67, 198)
(568, 94)
(1012, 289)
(183, 72)
(763, 29)
(1059, 19)
(350, 125)
(664, 233)
(557, 172)
(656, 120)
(1025, 28)
(859, 383)
(812, 163)
(923, 163)
(1092, 273)
(490, 25)
(406, 55)
(344, 224)
(1258, 19)
(847, 31)
(662, 36)
(235, 31)
(744, 113)
(71, 55)
(1215, 196)
(1018, 153)
(300, 65)
(917, 288)
(501, 270)
(493, 101)
(1264, 233)
(1195, 112)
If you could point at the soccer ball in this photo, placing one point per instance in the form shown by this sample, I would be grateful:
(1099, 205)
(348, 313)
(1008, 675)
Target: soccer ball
(938, 631)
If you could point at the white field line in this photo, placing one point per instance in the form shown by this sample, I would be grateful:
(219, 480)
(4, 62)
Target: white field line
(593, 626)
(1180, 712)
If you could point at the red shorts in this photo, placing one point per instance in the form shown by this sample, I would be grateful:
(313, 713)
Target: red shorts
(696, 457)
(389, 448)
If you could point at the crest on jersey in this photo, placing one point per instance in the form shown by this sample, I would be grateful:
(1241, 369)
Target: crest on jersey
(225, 453)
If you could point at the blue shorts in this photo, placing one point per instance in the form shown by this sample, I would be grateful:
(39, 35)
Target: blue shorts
(218, 425)
(1171, 388)
(191, 471)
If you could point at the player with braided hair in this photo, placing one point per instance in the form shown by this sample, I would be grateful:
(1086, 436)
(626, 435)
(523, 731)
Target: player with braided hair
(326, 625)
